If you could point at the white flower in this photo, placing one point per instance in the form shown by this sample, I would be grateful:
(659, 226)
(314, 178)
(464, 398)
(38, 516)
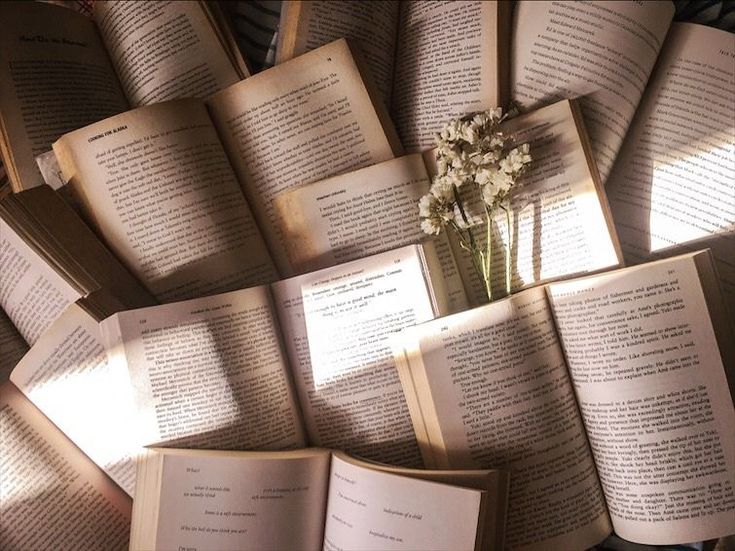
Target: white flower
(441, 165)
(451, 131)
(426, 204)
(459, 176)
(481, 120)
(496, 186)
(502, 180)
(431, 226)
(469, 133)
(436, 211)
(473, 158)
(482, 176)
(489, 158)
(497, 141)
(442, 189)
(489, 193)
(516, 159)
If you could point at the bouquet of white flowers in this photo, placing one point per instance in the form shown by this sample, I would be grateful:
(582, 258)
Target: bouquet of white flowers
(473, 151)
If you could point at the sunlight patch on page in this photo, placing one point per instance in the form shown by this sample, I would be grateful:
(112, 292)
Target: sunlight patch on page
(692, 196)
(349, 316)
(71, 399)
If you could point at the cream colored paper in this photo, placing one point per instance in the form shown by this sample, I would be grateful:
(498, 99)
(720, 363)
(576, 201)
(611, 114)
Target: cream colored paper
(652, 391)
(160, 190)
(209, 372)
(601, 51)
(672, 188)
(67, 376)
(296, 123)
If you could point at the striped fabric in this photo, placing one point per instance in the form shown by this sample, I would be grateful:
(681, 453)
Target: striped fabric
(254, 25)
(712, 13)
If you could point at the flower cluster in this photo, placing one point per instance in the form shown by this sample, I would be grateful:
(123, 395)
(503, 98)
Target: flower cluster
(471, 150)
(477, 168)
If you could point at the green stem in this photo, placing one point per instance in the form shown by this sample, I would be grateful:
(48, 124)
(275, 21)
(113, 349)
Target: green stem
(508, 250)
(481, 264)
(489, 252)
(477, 263)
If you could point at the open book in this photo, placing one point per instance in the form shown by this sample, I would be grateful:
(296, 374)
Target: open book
(606, 397)
(266, 367)
(182, 224)
(601, 51)
(672, 187)
(12, 346)
(60, 71)
(561, 224)
(429, 61)
(67, 376)
(49, 258)
(310, 499)
(53, 496)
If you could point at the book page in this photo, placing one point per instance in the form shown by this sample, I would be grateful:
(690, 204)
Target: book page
(52, 496)
(209, 372)
(652, 390)
(494, 482)
(371, 26)
(451, 59)
(299, 122)
(671, 190)
(67, 376)
(493, 392)
(12, 346)
(362, 213)
(55, 76)
(160, 190)
(32, 294)
(336, 323)
(242, 501)
(52, 227)
(381, 511)
(601, 51)
(164, 50)
(560, 222)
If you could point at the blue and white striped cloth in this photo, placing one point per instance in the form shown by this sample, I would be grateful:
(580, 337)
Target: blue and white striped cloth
(255, 23)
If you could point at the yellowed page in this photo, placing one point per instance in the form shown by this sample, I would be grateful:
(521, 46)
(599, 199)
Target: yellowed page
(560, 222)
(494, 482)
(603, 51)
(371, 26)
(653, 394)
(241, 500)
(209, 372)
(374, 510)
(450, 60)
(32, 294)
(297, 123)
(361, 213)
(12, 346)
(494, 391)
(55, 76)
(672, 187)
(336, 324)
(67, 376)
(164, 50)
(51, 495)
(160, 190)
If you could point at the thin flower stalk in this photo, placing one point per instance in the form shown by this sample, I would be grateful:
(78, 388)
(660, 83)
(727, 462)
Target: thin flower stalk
(474, 151)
